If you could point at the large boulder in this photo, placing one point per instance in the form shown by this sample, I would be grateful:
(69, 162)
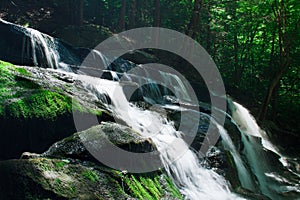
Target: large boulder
(68, 171)
(79, 144)
(44, 178)
(37, 107)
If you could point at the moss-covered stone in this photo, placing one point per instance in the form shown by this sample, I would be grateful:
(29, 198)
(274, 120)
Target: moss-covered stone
(21, 97)
(53, 104)
(155, 185)
(95, 138)
(43, 178)
(37, 107)
(150, 186)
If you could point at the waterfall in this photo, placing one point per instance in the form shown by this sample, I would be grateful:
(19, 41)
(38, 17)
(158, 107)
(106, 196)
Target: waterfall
(194, 181)
(243, 173)
(258, 157)
(264, 158)
(43, 49)
(174, 81)
(249, 126)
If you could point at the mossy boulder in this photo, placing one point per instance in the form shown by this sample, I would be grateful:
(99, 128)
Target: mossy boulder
(37, 107)
(78, 145)
(44, 178)
(68, 171)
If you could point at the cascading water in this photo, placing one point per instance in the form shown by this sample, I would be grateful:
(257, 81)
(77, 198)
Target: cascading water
(194, 181)
(43, 46)
(243, 173)
(264, 158)
(174, 81)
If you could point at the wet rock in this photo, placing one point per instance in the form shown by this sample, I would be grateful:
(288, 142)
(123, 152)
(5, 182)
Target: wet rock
(42, 178)
(80, 36)
(215, 158)
(68, 171)
(140, 57)
(28, 155)
(76, 145)
(251, 195)
(38, 108)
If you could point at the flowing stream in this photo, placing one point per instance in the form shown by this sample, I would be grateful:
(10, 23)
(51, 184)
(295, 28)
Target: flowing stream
(194, 181)
(264, 158)
(260, 166)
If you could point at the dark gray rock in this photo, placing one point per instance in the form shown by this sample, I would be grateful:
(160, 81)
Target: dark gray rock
(76, 145)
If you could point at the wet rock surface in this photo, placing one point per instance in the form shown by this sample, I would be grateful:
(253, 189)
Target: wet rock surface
(68, 171)
(97, 137)
(37, 107)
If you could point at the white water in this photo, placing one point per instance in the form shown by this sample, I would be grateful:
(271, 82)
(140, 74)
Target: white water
(174, 82)
(249, 126)
(45, 45)
(194, 181)
(256, 143)
(244, 176)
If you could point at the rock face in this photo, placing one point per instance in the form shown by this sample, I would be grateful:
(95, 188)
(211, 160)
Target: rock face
(119, 135)
(68, 171)
(36, 107)
(81, 35)
(25, 46)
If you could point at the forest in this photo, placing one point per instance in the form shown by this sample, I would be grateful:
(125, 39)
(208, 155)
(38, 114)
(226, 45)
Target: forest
(255, 45)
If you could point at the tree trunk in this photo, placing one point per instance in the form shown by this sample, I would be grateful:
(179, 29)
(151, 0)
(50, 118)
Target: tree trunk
(271, 89)
(195, 19)
(208, 31)
(121, 25)
(80, 13)
(236, 77)
(132, 14)
(157, 14)
(274, 102)
(75, 12)
(285, 44)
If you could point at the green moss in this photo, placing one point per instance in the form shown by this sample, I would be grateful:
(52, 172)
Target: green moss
(63, 189)
(172, 188)
(148, 186)
(152, 187)
(138, 189)
(61, 164)
(3, 63)
(22, 98)
(58, 185)
(91, 175)
(22, 71)
(42, 104)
